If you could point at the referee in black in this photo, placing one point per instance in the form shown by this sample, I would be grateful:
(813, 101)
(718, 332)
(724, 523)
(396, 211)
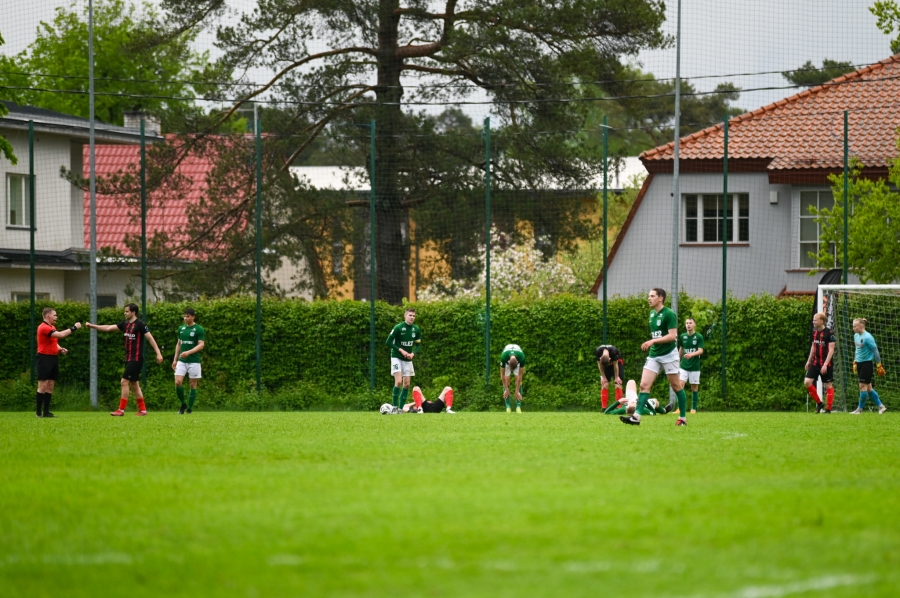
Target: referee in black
(48, 351)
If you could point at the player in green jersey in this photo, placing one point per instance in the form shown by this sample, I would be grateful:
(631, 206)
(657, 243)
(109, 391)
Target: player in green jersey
(663, 355)
(404, 340)
(191, 341)
(690, 348)
(512, 363)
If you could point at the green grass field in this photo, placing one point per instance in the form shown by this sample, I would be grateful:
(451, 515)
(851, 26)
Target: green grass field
(472, 504)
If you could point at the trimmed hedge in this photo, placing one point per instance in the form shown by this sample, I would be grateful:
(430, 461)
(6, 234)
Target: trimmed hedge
(316, 354)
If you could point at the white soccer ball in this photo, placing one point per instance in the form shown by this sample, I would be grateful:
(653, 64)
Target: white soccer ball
(653, 403)
(386, 409)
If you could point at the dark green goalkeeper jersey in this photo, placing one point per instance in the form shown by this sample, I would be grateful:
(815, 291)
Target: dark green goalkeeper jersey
(660, 323)
(690, 343)
(404, 336)
(189, 335)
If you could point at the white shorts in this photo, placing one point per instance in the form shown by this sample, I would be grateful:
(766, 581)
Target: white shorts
(405, 368)
(668, 362)
(514, 372)
(191, 370)
(690, 377)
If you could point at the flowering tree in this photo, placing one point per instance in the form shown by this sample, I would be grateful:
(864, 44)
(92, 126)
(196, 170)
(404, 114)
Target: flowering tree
(517, 269)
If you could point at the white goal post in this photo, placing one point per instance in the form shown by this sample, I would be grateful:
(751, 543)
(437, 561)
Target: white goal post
(880, 305)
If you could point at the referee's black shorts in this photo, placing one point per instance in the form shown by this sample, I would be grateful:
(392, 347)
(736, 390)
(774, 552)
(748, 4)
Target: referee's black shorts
(865, 371)
(133, 371)
(47, 367)
(609, 372)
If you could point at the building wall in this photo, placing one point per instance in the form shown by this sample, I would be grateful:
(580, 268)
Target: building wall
(18, 280)
(767, 264)
(53, 195)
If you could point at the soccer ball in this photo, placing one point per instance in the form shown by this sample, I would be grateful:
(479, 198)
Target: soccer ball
(653, 403)
(386, 409)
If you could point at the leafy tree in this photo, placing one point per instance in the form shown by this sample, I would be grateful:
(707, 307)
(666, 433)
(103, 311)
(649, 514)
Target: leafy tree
(5, 146)
(809, 75)
(348, 61)
(888, 14)
(134, 69)
(872, 235)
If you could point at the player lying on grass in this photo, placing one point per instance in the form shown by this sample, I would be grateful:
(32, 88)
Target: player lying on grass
(864, 365)
(612, 366)
(420, 405)
(512, 365)
(628, 405)
(818, 364)
(663, 355)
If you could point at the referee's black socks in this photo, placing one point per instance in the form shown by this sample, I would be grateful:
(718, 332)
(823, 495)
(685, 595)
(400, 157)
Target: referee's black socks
(47, 396)
(39, 401)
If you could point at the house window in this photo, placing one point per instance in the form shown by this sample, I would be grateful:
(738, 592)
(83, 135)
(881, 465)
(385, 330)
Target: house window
(26, 297)
(105, 301)
(17, 200)
(704, 218)
(810, 230)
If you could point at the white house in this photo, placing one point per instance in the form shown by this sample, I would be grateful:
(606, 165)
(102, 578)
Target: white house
(779, 160)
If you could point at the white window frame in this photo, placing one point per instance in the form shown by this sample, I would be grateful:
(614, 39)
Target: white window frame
(805, 216)
(735, 218)
(26, 224)
(25, 296)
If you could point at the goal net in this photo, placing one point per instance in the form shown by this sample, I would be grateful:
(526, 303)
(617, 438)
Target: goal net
(880, 305)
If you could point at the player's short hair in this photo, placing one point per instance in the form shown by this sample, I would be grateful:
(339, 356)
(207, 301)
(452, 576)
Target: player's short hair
(863, 321)
(629, 410)
(189, 311)
(513, 361)
(820, 316)
(690, 320)
(604, 359)
(659, 292)
(133, 308)
(47, 312)
(410, 309)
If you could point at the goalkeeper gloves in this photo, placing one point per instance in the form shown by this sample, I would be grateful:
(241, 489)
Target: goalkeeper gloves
(854, 367)
(879, 369)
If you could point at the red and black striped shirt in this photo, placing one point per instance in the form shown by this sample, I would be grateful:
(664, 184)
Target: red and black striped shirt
(820, 341)
(134, 339)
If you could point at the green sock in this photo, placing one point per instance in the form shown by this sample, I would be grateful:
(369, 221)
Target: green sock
(642, 402)
(695, 400)
(192, 396)
(507, 403)
(682, 402)
(395, 396)
(179, 390)
(403, 394)
(518, 404)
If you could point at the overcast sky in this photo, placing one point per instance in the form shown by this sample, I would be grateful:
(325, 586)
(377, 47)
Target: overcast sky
(720, 38)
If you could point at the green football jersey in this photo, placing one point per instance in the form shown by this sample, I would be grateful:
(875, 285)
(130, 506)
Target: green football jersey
(660, 324)
(406, 337)
(509, 351)
(189, 335)
(690, 343)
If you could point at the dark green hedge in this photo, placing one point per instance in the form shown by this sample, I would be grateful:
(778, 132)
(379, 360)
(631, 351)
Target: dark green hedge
(315, 354)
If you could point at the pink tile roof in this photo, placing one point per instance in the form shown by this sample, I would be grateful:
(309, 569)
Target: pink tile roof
(806, 130)
(165, 212)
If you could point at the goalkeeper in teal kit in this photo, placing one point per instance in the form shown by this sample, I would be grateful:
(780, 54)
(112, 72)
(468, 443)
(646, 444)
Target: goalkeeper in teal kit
(404, 340)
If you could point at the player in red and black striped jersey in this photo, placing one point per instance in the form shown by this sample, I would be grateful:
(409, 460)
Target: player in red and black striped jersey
(135, 331)
(819, 364)
(611, 365)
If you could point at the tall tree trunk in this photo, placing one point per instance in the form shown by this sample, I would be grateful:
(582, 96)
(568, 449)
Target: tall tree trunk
(389, 259)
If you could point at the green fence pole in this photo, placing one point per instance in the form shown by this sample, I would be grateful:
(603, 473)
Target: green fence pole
(724, 256)
(31, 228)
(605, 214)
(143, 244)
(487, 251)
(258, 249)
(846, 191)
(372, 255)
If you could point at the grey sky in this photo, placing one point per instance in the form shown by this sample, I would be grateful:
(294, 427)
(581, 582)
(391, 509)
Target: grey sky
(719, 38)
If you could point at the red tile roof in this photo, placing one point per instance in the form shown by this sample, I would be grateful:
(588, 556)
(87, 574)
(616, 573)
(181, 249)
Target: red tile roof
(165, 212)
(805, 131)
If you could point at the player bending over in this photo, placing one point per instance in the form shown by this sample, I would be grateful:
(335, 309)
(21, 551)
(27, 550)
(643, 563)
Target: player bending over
(866, 362)
(818, 364)
(420, 405)
(628, 405)
(512, 364)
(611, 365)
(663, 355)
(404, 340)
(690, 348)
